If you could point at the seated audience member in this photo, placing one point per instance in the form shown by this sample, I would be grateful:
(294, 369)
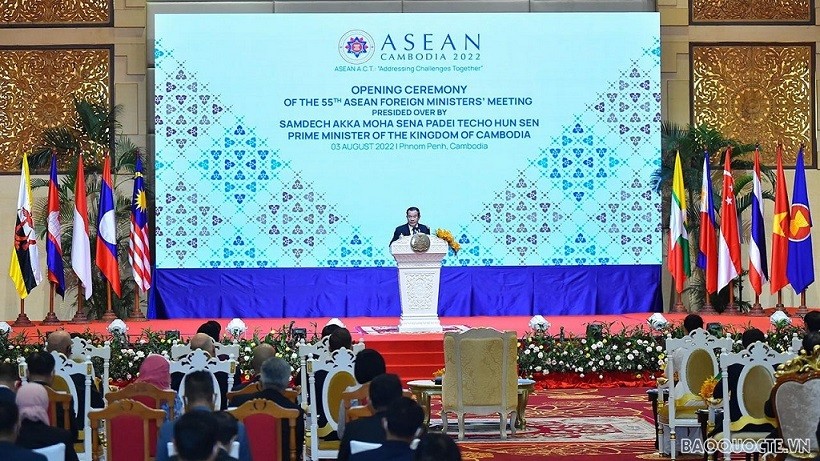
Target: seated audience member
(9, 425)
(60, 341)
(261, 353)
(199, 398)
(340, 339)
(206, 343)
(211, 328)
(275, 379)
(749, 337)
(384, 390)
(41, 371)
(8, 380)
(812, 321)
(195, 437)
(369, 364)
(156, 370)
(35, 432)
(810, 342)
(437, 447)
(331, 326)
(227, 430)
(402, 424)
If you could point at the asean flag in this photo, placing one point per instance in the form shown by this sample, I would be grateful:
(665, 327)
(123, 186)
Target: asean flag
(106, 257)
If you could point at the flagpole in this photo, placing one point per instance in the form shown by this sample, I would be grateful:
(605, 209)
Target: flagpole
(802, 310)
(51, 318)
(79, 316)
(109, 314)
(779, 306)
(136, 313)
(757, 309)
(22, 319)
(678, 307)
(731, 309)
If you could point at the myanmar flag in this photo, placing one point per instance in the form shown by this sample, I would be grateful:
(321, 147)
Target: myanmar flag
(678, 237)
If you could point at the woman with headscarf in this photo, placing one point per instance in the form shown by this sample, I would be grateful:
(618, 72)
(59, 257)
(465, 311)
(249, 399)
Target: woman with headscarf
(35, 432)
(156, 370)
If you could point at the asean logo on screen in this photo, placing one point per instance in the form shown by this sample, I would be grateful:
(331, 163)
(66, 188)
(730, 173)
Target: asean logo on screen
(356, 47)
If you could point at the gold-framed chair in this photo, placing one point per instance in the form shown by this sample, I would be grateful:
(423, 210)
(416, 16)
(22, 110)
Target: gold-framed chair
(480, 377)
(130, 429)
(794, 400)
(262, 419)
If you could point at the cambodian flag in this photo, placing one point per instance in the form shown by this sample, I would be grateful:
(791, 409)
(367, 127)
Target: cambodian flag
(707, 248)
(107, 231)
(758, 270)
(54, 249)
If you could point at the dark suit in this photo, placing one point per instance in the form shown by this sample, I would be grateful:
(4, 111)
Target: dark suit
(405, 230)
(7, 394)
(367, 429)
(72, 421)
(276, 397)
(96, 397)
(391, 450)
(35, 434)
(734, 407)
(17, 453)
(221, 379)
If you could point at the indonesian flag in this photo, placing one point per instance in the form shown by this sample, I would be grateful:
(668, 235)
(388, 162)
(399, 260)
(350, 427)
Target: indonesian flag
(780, 229)
(729, 243)
(678, 237)
(80, 245)
(758, 271)
(707, 250)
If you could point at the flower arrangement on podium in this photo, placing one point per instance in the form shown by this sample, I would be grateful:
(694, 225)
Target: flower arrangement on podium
(447, 236)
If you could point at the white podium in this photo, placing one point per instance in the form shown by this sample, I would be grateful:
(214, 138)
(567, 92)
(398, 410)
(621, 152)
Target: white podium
(419, 274)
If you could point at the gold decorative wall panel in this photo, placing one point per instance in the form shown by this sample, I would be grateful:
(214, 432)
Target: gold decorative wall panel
(37, 87)
(752, 11)
(757, 92)
(56, 13)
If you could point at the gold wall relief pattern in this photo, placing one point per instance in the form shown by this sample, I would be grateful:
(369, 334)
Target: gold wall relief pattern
(752, 11)
(757, 92)
(37, 87)
(55, 13)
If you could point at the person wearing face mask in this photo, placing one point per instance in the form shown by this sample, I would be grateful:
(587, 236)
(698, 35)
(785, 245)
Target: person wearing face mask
(413, 225)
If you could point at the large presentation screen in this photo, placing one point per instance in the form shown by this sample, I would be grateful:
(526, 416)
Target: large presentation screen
(298, 141)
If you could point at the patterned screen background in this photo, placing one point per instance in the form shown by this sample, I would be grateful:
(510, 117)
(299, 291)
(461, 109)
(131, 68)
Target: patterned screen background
(568, 107)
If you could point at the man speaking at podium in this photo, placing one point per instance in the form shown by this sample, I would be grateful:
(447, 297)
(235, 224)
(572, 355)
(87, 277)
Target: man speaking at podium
(412, 227)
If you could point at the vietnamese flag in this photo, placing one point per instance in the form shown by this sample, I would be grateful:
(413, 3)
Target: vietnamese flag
(780, 230)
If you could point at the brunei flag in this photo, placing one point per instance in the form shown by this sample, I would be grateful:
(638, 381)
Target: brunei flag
(25, 259)
(678, 237)
(106, 256)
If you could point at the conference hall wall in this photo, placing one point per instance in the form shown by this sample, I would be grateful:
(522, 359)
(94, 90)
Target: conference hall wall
(287, 148)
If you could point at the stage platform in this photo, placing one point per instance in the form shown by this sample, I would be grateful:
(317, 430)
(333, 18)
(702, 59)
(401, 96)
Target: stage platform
(410, 355)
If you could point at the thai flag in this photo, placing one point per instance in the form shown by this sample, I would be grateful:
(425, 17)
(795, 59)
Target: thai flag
(139, 254)
(54, 249)
(107, 231)
(758, 270)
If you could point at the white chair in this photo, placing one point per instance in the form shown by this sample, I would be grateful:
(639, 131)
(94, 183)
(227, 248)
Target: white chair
(200, 360)
(319, 350)
(754, 386)
(794, 401)
(52, 452)
(233, 452)
(698, 360)
(358, 447)
(339, 369)
(83, 349)
(181, 350)
(64, 367)
(797, 344)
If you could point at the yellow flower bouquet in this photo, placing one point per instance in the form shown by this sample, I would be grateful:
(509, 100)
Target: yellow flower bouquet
(707, 389)
(447, 236)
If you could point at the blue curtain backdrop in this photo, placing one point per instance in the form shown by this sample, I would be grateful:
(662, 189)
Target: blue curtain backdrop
(374, 292)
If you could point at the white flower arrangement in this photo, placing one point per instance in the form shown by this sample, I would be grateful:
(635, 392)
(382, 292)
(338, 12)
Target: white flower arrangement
(335, 321)
(779, 318)
(657, 321)
(236, 327)
(539, 323)
(117, 327)
(5, 328)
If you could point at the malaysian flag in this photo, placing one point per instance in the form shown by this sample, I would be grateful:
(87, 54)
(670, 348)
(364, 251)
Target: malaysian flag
(139, 255)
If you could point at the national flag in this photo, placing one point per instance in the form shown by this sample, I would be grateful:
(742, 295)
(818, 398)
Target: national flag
(139, 254)
(780, 229)
(54, 247)
(80, 244)
(24, 269)
(758, 269)
(678, 236)
(106, 257)
(800, 267)
(729, 241)
(707, 250)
